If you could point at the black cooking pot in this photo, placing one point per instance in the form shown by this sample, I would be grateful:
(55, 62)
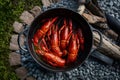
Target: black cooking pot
(86, 29)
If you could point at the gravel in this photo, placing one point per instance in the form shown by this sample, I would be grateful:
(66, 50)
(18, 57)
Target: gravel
(111, 7)
(92, 69)
(70, 4)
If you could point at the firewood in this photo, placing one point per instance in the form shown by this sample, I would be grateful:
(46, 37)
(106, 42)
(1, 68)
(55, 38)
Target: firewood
(81, 9)
(111, 34)
(108, 48)
(94, 9)
(93, 18)
(100, 23)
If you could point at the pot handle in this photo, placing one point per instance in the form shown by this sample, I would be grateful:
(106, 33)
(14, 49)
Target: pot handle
(98, 55)
(101, 39)
(19, 35)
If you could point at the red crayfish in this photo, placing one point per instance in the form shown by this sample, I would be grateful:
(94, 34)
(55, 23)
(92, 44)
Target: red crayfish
(49, 56)
(42, 31)
(58, 45)
(73, 49)
(65, 33)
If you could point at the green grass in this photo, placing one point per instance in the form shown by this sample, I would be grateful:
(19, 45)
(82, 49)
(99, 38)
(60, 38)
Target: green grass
(10, 11)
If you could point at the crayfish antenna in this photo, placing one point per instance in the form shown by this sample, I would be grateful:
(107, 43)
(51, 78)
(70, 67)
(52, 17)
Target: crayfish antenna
(52, 20)
(81, 38)
(78, 42)
(64, 24)
(70, 24)
(70, 28)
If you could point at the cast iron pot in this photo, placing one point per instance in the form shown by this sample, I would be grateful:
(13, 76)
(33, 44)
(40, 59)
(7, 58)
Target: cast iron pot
(87, 33)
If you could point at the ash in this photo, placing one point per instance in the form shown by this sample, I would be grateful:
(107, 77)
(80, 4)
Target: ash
(92, 69)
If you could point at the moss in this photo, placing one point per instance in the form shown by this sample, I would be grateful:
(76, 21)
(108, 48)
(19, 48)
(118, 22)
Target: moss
(10, 11)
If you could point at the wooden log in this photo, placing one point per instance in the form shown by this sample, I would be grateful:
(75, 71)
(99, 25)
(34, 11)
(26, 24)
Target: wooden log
(111, 34)
(100, 23)
(94, 9)
(81, 9)
(108, 48)
(93, 18)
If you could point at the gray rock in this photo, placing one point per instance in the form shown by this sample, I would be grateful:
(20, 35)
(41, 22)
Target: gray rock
(111, 3)
(21, 73)
(30, 78)
(14, 39)
(14, 59)
(36, 11)
(46, 3)
(14, 42)
(18, 27)
(26, 17)
(13, 47)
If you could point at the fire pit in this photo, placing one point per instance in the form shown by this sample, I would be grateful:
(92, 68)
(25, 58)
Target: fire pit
(91, 69)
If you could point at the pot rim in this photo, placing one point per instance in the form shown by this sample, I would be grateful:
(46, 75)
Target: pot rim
(59, 70)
